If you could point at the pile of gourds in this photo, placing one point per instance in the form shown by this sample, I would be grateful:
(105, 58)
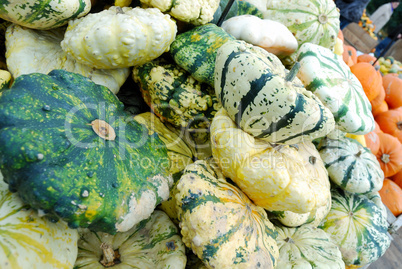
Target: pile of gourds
(184, 134)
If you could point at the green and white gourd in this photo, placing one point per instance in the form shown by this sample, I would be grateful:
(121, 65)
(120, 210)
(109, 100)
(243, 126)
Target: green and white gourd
(264, 99)
(313, 21)
(45, 14)
(28, 240)
(307, 247)
(350, 165)
(358, 226)
(327, 76)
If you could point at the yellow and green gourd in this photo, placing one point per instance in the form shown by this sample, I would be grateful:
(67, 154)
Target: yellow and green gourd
(68, 148)
(27, 239)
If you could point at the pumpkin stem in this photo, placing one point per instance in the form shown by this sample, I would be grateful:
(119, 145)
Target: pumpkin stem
(359, 153)
(293, 72)
(119, 10)
(289, 240)
(312, 159)
(377, 67)
(385, 158)
(323, 18)
(399, 125)
(110, 256)
(103, 129)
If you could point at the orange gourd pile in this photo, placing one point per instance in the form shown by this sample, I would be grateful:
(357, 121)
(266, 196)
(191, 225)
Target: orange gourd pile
(385, 95)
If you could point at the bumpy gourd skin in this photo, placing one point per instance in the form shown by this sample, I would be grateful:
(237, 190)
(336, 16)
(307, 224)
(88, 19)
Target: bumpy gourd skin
(52, 156)
(220, 224)
(119, 37)
(45, 14)
(273, 176)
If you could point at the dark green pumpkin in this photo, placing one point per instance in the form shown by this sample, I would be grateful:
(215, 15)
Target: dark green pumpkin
(195, 50)
(52, 156)
(239, 7)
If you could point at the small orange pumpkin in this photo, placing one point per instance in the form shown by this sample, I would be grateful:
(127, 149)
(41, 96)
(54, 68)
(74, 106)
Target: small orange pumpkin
(369, 77)
(367, 58)
(391, 196)
(372, 142)
(390, 122)
(379, 109)
(389, 154)
(393, 90)
(349, 55)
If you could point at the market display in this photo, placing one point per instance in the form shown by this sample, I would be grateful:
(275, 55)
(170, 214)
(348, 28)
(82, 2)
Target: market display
(264, 140)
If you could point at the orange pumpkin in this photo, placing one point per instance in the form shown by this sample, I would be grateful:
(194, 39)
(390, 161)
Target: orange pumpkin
(372, 142)
(379, 109)
(376, 102)
(369, 77)
(391, 196)
(389, 154)
(397, 178)
(349, 55)
(393, 90)
(367, 58)
(390, 122)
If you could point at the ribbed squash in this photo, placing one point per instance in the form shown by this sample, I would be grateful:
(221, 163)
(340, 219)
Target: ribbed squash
(174, 95)
(28, 240)
(35, 51)
(313, 21)
(195, 50)
(273, 176)
(69, 149)
(328, 77)
(307, 247)
(119, 37)
(358, 226)
(350, 165)
(266, 100)
(43, 15)
(220, 224)
(153, 243)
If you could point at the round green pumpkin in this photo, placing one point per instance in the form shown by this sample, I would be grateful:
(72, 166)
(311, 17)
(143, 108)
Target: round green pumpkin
(69, 149)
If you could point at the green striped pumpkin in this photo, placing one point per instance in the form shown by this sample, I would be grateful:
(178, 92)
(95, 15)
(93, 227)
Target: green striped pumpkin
(327, 76)
(220, 224)
(351, 166)
(264, 100)
(195, 50)
(174, 95)
(45, 14)
(69, 149)
(358, 226)
(313, 21)
(307, 247)
(153, 243)
(28, 240)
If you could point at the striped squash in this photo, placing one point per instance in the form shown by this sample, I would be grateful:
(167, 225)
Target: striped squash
(27, 240)
(358, 226)
(264, 100)
(350, 165)
(153, 243)
(220, 224)
(195, 50)
(307, 247)
(44, 14)
(314, 21)
(326, 75)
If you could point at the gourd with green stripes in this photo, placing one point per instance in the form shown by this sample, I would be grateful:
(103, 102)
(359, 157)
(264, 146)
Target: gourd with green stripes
(313, 21)
(152, 243)
(307, 247)
(26, 239)
(358, 226)
(265, 99)
(174, 95)
(45, 14)
(69, 148)
(351, 166)
(220, 224)
(195, 50)
(327, 76)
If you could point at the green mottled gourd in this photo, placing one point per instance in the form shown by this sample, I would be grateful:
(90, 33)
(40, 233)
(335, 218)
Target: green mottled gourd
(43, 15)
(358, 226)
(238, 8)
(68, 148)
(220, 224)
(266, 100)
(28, 239)
(174, 95)
(119, 37)
(154, 243)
